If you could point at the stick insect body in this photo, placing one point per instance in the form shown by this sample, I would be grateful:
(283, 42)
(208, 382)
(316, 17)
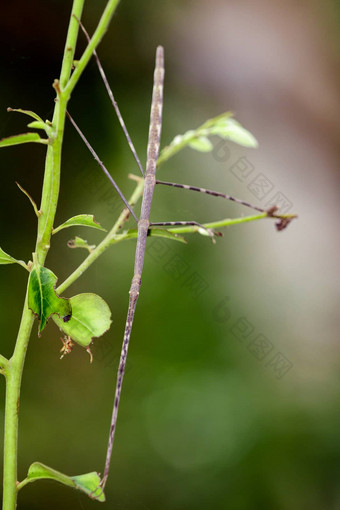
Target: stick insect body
(143, 227)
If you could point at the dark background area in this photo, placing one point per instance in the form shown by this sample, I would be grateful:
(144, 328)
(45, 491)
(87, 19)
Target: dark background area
(208, 419)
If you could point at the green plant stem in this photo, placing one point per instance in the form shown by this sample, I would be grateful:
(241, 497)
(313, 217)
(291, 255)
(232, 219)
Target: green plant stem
(51, 184)
(13, 375)
(95, 40)
(226, 223)
(3, 362)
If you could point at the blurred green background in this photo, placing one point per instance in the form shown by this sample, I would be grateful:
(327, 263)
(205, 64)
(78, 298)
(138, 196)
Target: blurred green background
(231, 395)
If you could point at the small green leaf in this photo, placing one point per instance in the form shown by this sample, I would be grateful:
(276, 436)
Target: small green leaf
(232, 130)
(7, 259)
(26, 112)
(23, 138)
(41, 125)
(82, 220)
(78, 242)
(38, 471)
(202, 144)
(91, 317)
(223, 125)
(36, 124)
(42, 297)
(34, 205)
(88, 483)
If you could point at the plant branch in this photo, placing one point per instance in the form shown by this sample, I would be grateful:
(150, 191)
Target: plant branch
(95, 40)
(227, 223)
(3, 362)
(113, 238)
(13, 381)
(50, 192)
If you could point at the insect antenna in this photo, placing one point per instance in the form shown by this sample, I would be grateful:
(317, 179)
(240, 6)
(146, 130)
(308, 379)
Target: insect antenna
(211, 192)
(102, 166)
(113, 101)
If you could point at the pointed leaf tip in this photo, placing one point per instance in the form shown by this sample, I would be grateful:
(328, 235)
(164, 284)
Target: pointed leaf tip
(81, 220)
(23, 138)
(34, 205)
(26, 112)
(7, 259)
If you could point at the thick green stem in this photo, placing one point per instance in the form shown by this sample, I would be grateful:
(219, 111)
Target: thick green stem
(51, 184)
(13, 381)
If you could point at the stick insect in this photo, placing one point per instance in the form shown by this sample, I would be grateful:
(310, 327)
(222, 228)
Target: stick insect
(143, 222)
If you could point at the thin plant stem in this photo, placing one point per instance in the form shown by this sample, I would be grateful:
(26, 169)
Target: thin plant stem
(228, 222)
(3, 362)
(95, 40)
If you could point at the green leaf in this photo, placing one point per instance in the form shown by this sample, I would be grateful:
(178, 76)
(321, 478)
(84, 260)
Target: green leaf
(37, 124)
(26, 112)
(23, 138)
(202, 144)
(7, 259)
(91, 317)
(34, 205)
(88, 483)
(82, 220)
(78, 242)
(43, 299)
(232, 130)
(223, 125)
